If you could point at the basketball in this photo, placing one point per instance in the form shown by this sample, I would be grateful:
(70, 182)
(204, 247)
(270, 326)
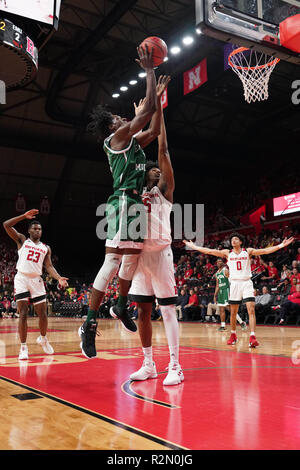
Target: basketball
(159, 47)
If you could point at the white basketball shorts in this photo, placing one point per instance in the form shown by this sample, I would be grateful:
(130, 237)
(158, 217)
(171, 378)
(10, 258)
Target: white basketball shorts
(29, 288)
(154, 277)
(241, 291)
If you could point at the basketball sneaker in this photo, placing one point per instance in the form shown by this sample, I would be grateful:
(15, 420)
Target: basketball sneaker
(222, 328)
(87, 332)
(233, 339)
(43, 341)
(175, 375)
(244, 325)
(147, 371)
(23, 354)
(122, 314)
(253, 342)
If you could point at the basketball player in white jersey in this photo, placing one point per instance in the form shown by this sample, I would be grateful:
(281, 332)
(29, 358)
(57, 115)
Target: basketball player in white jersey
(154, 276)
(241, 286)
(33, 255)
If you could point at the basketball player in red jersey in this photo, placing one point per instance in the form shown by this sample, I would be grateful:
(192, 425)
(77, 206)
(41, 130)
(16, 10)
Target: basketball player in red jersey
(154, 276)
(28, 284)
(241, 286)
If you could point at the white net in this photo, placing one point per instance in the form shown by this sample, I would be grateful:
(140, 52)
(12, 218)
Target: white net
(254, 69)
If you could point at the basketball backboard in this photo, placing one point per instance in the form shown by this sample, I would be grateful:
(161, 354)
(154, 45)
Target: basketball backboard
(248, 23)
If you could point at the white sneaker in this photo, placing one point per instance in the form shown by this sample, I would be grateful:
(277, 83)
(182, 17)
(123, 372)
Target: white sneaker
(147, 371)
(23, 355)
(43, 341)
(175, 375)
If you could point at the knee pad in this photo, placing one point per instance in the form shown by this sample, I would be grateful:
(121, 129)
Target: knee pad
(128, 266)
(108, 271)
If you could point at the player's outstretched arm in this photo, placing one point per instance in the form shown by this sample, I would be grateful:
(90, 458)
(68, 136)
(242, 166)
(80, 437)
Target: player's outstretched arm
(146, 137)
(167, 181)
(124, 133)
(206, 251)
(8, 225)
(62, 281)
(270, 249)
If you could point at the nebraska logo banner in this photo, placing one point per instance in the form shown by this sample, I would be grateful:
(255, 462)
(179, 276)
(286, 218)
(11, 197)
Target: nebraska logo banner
(164, 99)
(195, 77)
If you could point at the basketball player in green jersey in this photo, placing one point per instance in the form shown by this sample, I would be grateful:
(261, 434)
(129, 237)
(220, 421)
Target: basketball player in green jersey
(221, 295)
(123, 144)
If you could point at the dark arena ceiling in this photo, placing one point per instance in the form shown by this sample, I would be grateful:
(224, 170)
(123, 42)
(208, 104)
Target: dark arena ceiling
(216, 139)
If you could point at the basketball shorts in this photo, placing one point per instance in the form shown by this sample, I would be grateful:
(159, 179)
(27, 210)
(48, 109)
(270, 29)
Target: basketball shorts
(126, 219)
(223, 296)
(29, 288)
(154, 277)
(241, 291)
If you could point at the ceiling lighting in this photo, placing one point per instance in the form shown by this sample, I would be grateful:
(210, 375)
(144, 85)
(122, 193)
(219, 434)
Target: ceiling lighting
(142, 74)
(166, 59)
(123, 88)
(188, 40)
(175, 50)
(116, 95)
(198, 31)
(133, 82)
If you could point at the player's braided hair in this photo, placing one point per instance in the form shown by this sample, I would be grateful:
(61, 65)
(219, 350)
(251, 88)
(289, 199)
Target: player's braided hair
(100, 120)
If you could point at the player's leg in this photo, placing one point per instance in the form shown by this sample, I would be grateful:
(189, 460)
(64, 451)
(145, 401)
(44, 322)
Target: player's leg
(222, 318)
(22, 308)
(249, 299)
(129, 264)
(164, 287)
(148, 369)
(87, 331)
(235, 299)
(41, 310)
(252, 324)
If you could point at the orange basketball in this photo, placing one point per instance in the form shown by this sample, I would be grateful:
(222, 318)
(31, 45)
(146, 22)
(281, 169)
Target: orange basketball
(160, 49)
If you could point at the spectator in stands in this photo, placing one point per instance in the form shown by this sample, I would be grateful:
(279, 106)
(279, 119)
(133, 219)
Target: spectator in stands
(284, 287)
(182, 301)
(295, 275)
(188, 272)
(298, 256)
(263, 302)
(272, 272)
(283, 274)
(293, 285)
(290, 306)
(189, 311)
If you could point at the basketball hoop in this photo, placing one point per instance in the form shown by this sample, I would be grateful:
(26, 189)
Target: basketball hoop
(254, 69)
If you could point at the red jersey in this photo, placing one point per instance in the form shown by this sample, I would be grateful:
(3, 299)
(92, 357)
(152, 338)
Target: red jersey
(194, 299)
(295, 298)
(273, 272)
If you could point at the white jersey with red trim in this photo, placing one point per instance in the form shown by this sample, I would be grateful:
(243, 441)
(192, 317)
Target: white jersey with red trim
(159, 227)
(31, 258)
(239, 265)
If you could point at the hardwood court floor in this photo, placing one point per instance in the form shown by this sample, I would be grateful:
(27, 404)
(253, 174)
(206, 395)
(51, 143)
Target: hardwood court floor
(231, 398)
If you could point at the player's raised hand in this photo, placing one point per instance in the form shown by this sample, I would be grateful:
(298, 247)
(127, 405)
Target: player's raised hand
(190, 244)
(138, 108)
(31, 214)
(63, 282)
(145, 58)
(287, 241)
(162, 84)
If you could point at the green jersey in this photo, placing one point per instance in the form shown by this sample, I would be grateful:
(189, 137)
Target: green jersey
(223, 281)
(127, 166)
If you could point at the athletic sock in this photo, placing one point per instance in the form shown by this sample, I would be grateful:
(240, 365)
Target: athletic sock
(122, 301)
(223, 324)
(252, 333)
(148, 355)
(233, 331)
(91, 315)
